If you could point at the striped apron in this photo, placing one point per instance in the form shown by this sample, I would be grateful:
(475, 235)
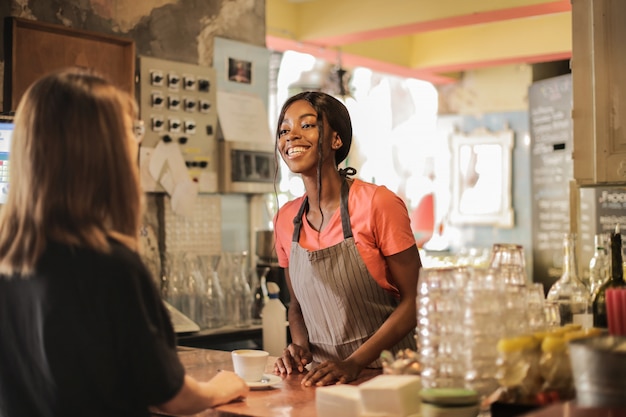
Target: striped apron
(341, 303)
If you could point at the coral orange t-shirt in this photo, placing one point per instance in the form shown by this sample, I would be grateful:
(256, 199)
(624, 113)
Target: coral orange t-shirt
(380, 226)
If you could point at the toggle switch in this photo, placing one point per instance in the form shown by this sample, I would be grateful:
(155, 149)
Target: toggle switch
(156, 78)
(157, 123)
(157, 99)
(174, 125)
(173, 102)
(190, 104)
(205, 106)
(173, 81)
(189, 82)
(190, 126)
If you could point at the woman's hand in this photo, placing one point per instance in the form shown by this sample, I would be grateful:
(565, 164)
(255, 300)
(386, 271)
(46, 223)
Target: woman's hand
(227, 387)
(332, 372)
(294, 358)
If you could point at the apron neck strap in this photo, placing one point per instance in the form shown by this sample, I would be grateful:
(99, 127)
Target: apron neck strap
(345, 215)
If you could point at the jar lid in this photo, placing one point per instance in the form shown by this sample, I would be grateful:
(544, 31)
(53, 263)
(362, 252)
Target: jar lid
(449, 396)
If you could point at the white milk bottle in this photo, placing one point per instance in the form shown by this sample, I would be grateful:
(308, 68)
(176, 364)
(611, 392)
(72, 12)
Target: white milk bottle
(274, 320)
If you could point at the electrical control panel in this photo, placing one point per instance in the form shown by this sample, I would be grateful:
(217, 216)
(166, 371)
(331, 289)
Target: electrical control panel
(177, 102)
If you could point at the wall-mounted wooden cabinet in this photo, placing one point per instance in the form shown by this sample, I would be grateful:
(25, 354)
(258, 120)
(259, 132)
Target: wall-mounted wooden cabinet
(599, 91)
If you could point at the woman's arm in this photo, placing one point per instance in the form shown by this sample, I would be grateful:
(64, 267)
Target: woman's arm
(297, 354)
(404, 268)
(196, 396)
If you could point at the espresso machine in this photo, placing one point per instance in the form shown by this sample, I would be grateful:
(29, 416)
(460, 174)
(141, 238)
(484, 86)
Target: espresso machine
(267, 263)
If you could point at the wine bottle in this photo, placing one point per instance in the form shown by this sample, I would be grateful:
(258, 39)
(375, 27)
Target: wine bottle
(616, 279)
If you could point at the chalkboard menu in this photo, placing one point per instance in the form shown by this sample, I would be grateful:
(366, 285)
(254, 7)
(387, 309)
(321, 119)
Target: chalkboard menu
(550, 105)
(601, 208)
(610, 209)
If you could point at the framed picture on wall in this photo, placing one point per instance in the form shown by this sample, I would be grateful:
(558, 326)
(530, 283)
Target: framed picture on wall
(481, 178)
(239, 70)
(242, 68)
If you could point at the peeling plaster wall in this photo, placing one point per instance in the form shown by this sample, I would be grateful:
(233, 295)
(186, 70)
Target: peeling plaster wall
(177, 30)
(490, 90)
(180, 30)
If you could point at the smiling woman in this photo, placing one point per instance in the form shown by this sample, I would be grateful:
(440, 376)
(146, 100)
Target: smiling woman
(343, 242)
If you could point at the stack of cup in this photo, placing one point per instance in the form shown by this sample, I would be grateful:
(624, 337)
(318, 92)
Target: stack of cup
(438, 340)
(616, 311)
(480, 328)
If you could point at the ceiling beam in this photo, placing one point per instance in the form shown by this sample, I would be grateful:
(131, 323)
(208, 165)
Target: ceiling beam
(423, 39)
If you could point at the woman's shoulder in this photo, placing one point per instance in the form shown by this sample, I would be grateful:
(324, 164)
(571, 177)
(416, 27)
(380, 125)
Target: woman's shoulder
(289, 209)
(366, 190)
(119, 260)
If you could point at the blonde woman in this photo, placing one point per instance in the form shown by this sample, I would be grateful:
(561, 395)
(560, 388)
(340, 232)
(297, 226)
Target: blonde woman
(84, 331)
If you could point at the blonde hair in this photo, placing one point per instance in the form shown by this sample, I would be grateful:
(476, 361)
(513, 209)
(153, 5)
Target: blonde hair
(72, 176)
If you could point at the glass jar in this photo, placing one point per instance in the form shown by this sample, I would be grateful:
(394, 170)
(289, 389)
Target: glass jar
(555, 365)
(518, 367)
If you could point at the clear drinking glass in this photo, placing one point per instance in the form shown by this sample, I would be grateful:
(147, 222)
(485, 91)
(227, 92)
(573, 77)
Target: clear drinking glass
(552, 314)
(509, 259)
(535, 310)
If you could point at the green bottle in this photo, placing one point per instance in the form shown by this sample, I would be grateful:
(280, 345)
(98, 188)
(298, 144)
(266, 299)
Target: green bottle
(616, 279)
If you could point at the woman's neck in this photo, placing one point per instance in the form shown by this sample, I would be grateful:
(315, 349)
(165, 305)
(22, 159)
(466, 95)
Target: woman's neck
(329, 192)
(324, 201)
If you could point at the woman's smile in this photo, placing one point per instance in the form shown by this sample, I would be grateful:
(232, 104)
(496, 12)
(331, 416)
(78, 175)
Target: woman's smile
(295, 151)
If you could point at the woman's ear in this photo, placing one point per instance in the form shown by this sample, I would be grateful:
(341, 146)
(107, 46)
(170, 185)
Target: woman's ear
(337, 142)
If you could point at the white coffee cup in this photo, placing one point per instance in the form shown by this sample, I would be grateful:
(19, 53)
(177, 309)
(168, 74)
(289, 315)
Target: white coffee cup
(249, 364)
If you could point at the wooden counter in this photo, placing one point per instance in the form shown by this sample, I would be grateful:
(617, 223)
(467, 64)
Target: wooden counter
(287, 399)
(570, 409)
(290, 399)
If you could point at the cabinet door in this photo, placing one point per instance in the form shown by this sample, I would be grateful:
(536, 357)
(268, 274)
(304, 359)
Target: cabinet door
(599, 89)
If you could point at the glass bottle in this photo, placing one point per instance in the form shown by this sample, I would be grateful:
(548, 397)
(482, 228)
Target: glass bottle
(189, 279)
(599, 263)
(259, 293)
(239, 295)
(213, 299)
(568, 291)
(616, 279)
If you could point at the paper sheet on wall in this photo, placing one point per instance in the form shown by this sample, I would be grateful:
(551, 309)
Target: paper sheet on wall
(166, 166)
(243, 118)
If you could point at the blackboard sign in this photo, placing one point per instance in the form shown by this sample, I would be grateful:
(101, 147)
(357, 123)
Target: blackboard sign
(610, 203)
(550, 106)
(601, 208)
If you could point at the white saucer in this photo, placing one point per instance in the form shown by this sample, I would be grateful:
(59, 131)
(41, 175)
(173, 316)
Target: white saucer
(268, 381)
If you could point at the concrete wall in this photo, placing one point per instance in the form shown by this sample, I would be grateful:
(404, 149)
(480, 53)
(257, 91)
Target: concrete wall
(178, 30)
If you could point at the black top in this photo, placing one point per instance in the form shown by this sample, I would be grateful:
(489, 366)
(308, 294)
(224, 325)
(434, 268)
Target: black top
(86, 335)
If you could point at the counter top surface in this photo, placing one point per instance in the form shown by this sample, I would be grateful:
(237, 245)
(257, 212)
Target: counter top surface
(290, 399)
(286, 399)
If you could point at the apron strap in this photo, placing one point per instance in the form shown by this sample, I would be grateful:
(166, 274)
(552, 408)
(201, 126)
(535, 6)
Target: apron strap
(297, 221)
(345, 215)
